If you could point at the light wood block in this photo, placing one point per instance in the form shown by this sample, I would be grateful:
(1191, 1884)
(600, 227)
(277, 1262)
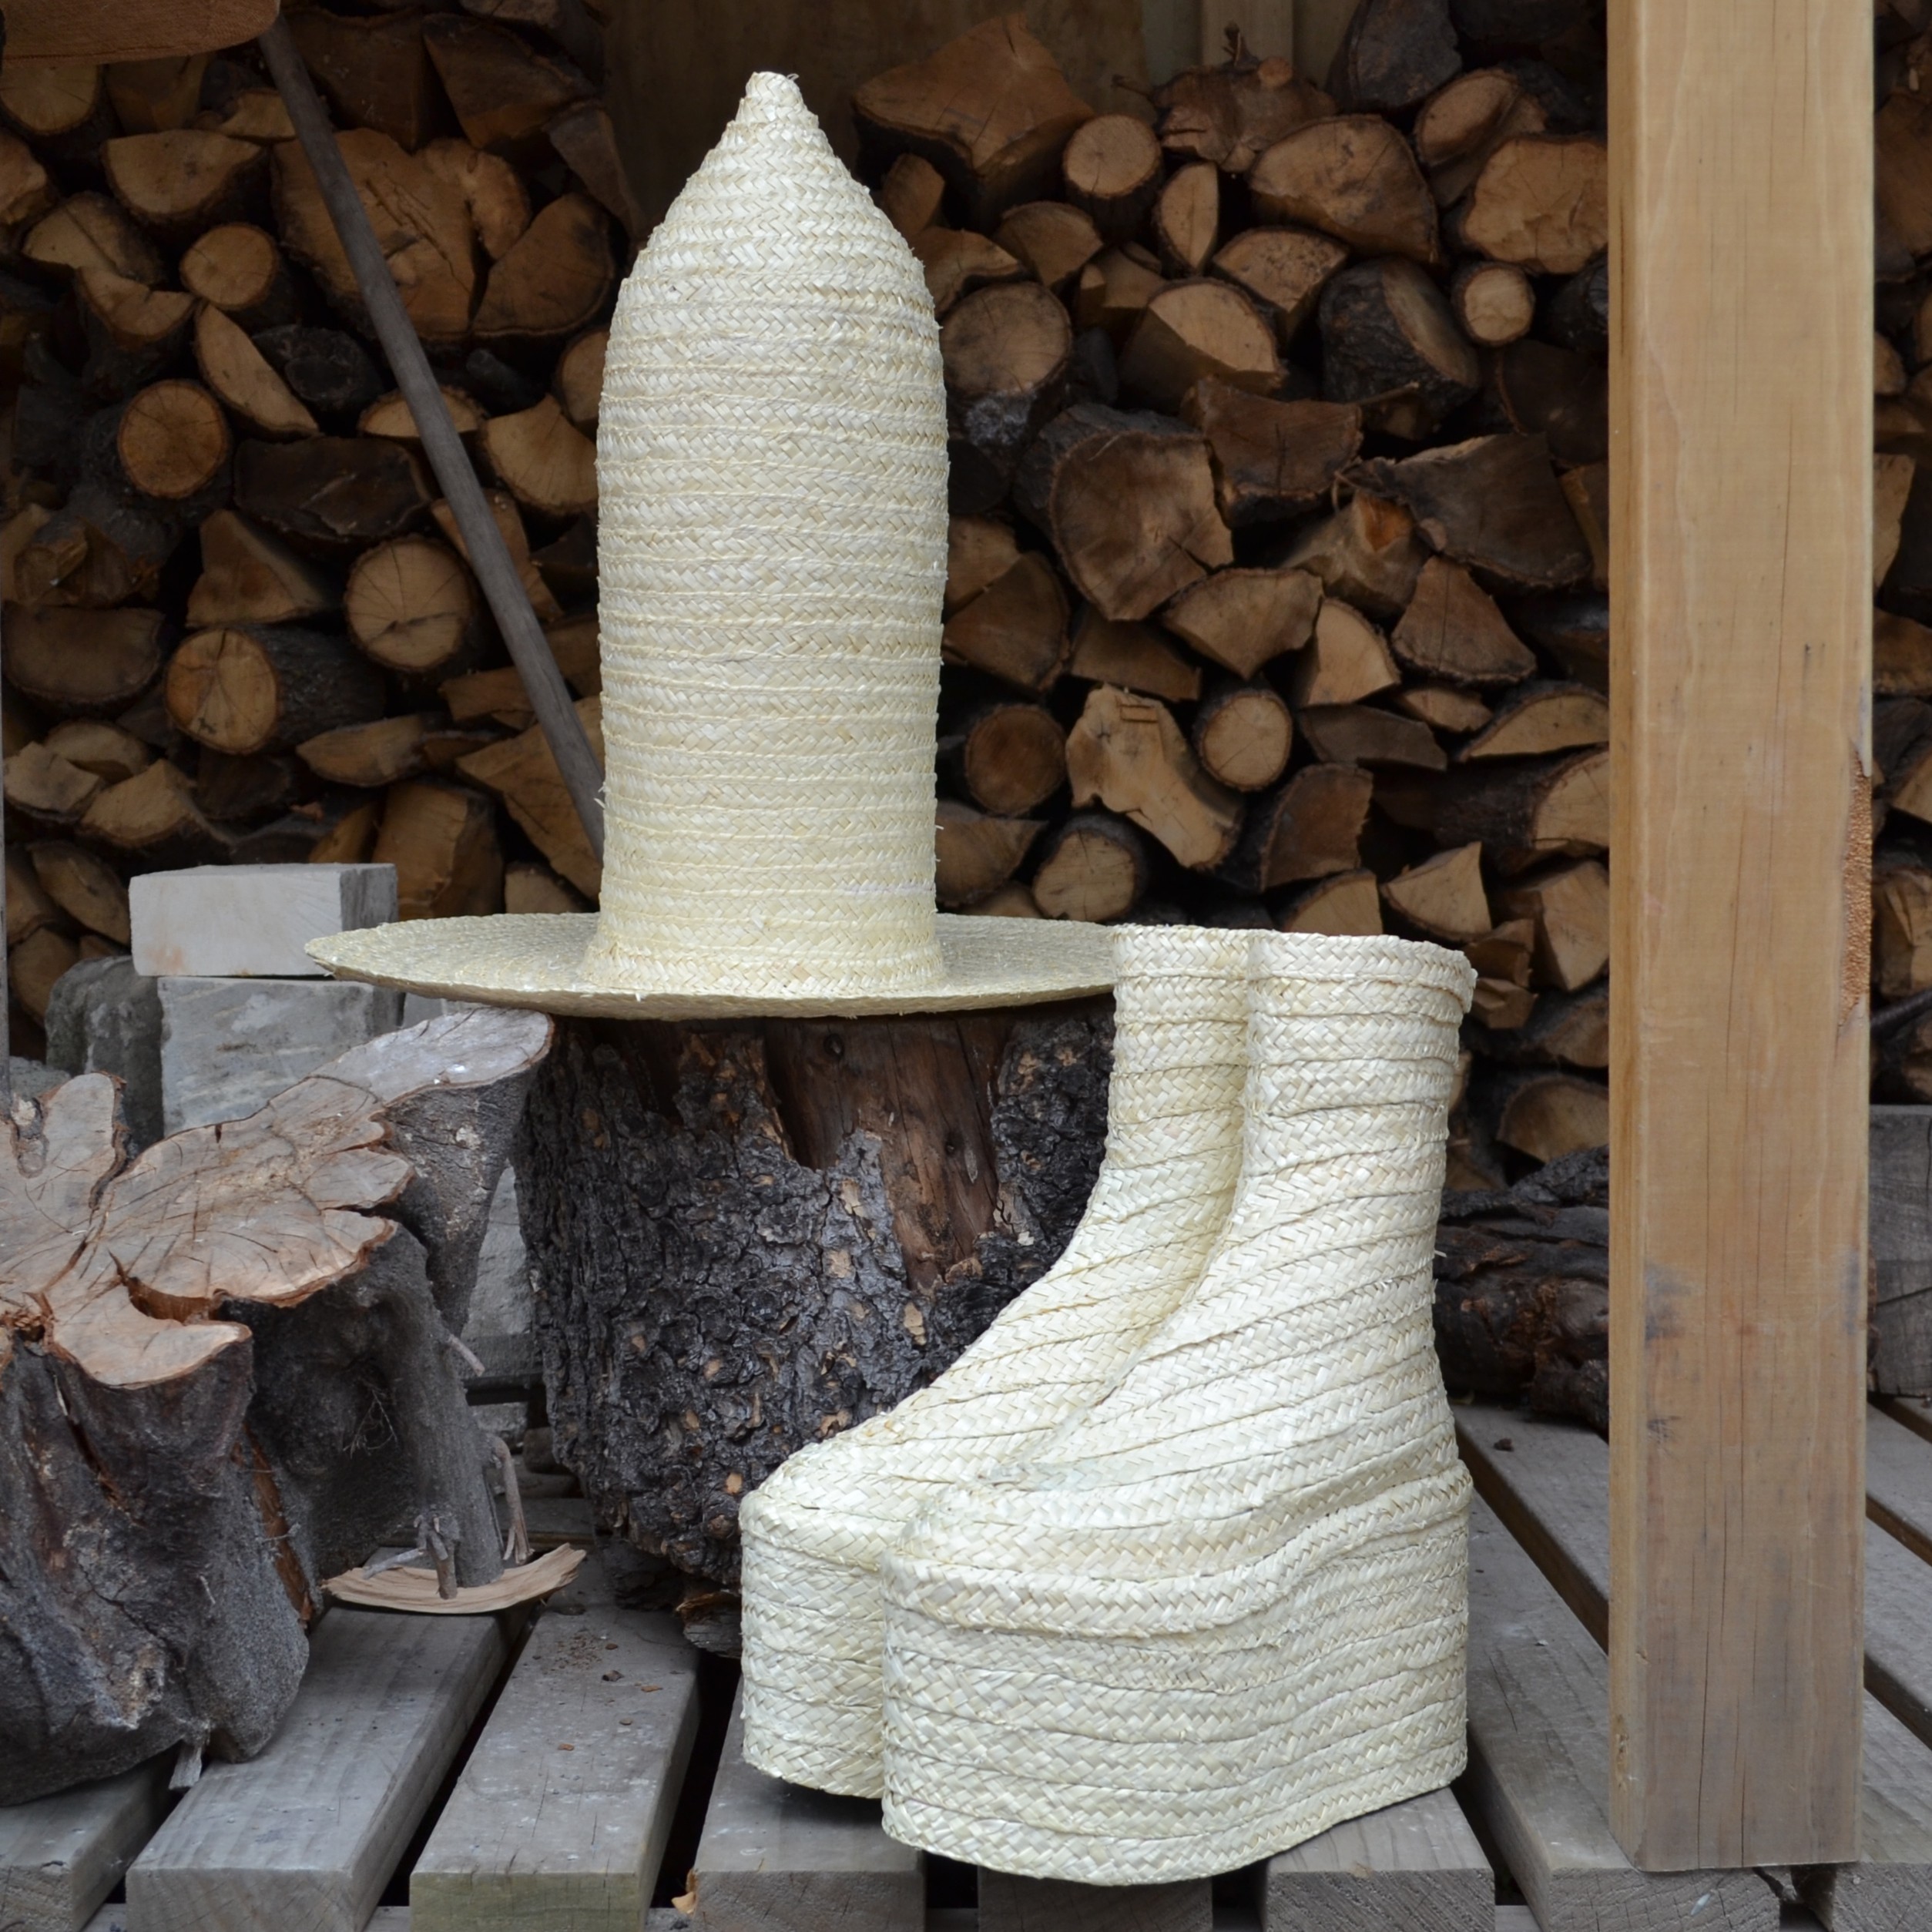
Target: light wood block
(1539, 1763)
(1741, 605)
(1551, 1488)
(1901, 1238)
(1416, 1865)
(776, 1857)
(60, 1856)
(1009, 1903)
(558, 1820)
(307, 1834)
(251, 921)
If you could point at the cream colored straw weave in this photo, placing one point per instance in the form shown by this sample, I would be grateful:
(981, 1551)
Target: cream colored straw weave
(812, 1535)
(1225, 1607)
(772, 552)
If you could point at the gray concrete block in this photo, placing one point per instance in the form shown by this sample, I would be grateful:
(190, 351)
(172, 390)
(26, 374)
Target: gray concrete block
(105, 1017)
(228, 1044)
(251, 921)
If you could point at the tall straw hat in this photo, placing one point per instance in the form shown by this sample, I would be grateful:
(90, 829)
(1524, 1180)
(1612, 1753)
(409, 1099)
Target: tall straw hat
(772, 547)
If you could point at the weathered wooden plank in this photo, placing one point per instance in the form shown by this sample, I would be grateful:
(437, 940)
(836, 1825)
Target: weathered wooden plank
(1898, 1482)
(1741, 188)
(1009, 1903)
(775, 1857)
(558, 1819)
(1415, 1866)
(306, 1835)
(1901, 1238)
(1539, 1764)
(60, 1856)
(1550, 1486)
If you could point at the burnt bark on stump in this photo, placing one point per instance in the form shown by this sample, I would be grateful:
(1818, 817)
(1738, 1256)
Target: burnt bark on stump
(747, 1237)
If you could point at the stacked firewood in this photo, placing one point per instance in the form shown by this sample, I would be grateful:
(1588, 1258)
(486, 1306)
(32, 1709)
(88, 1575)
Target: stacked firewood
(1277, 579)
(238, 623)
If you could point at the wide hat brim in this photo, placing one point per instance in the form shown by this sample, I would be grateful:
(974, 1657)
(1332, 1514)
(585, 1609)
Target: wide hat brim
(536, 960)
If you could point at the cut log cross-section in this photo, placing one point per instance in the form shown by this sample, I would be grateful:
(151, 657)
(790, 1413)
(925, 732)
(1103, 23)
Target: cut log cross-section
(242, 690)
(411, 606)
(1094, 867)
(1353, 177)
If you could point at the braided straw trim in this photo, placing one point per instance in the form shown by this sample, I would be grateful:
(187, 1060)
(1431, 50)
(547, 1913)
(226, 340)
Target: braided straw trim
(1223, 1607)
(813, 1533)
(772, 549)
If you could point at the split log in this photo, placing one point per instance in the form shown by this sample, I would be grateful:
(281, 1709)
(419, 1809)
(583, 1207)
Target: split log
(578, 383)
(522, 772)
(1574, 630)
(238, 268)
(248, 577)
(88, 230)
(1243, 735)
(105, 749)
(47, 99)
(508, 520)
(1094, 867)
(1114, 288)
(328, 369)
(1196, 331)
(1054, 240)
(1367, 553)
(1346, 660)
(171, 442)
(219, 1468)
(1547, 1116)
(1127, 753)
(245, 689)
(1587, 490)
(1016, 628)
(1347, 905)
(1005, 351)
(1129, 502)
(84, 886)
(1359, 734)
(911, 195)
(1578, 314)
(553, 280)
(1245, 618)
(390, 416)
(1353, 177)
(1284, 270)
(1443, 897)
(1571, 908)
(976, 853)
(1271, 460)
(30, 905)
(1390, 341)
(337, 494)
(492, 190)
(546, 464)
(374, 72)
(536, 888)
(1901, 657)
(648, 1276)
(154, 816)
(441, 839)
(382, 753)
(133, 332)
(955, 261)
(1901, 930)
(1492, 503)
(47, 791)
(1556, 806)
(254, 114)
(183, 180)
(1444, 707)
(36, 966)
(1310, 829)
(1542, 201)
(245, 790)
(1522, 1297)
(990, 110)
(1453, 630)
(1186, 219)
(586, 141)
(411, 607)
(1112, 168)
(1009, 759)
(73, 660)
(1458, 130)
(1134, 656)
(1232, 113)
(1540, 718)
(980, 550)
(239, 373)
(1394, 54)
(1560, 396)
(1891, 489)
(421, 220)
(1494, 303)
(504, 92)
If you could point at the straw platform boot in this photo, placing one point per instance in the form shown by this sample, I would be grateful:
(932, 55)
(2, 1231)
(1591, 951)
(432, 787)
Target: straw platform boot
(1226, 1607)
(813, 1533)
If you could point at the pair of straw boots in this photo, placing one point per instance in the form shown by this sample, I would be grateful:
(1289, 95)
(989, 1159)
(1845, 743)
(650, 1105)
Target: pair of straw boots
(1167, 1572)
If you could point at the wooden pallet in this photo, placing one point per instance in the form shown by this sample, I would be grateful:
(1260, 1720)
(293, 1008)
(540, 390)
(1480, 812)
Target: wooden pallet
(528, 1778)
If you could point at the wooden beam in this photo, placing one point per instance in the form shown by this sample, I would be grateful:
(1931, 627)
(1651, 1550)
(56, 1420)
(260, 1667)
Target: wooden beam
(60, 1856)
(1741, 188)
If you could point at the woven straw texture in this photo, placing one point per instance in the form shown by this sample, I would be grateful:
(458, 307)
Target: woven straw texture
(814, 1534)
(771, 459)
(1225, 1607)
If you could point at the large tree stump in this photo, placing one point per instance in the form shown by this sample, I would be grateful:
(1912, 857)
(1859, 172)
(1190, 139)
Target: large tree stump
(747, 1237)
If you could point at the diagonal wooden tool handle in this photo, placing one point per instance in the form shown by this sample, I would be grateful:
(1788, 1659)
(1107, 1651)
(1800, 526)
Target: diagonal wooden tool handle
(490, 557)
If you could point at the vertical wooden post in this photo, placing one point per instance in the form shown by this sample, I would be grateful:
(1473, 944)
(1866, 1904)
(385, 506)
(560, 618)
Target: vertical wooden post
(1741, 154)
